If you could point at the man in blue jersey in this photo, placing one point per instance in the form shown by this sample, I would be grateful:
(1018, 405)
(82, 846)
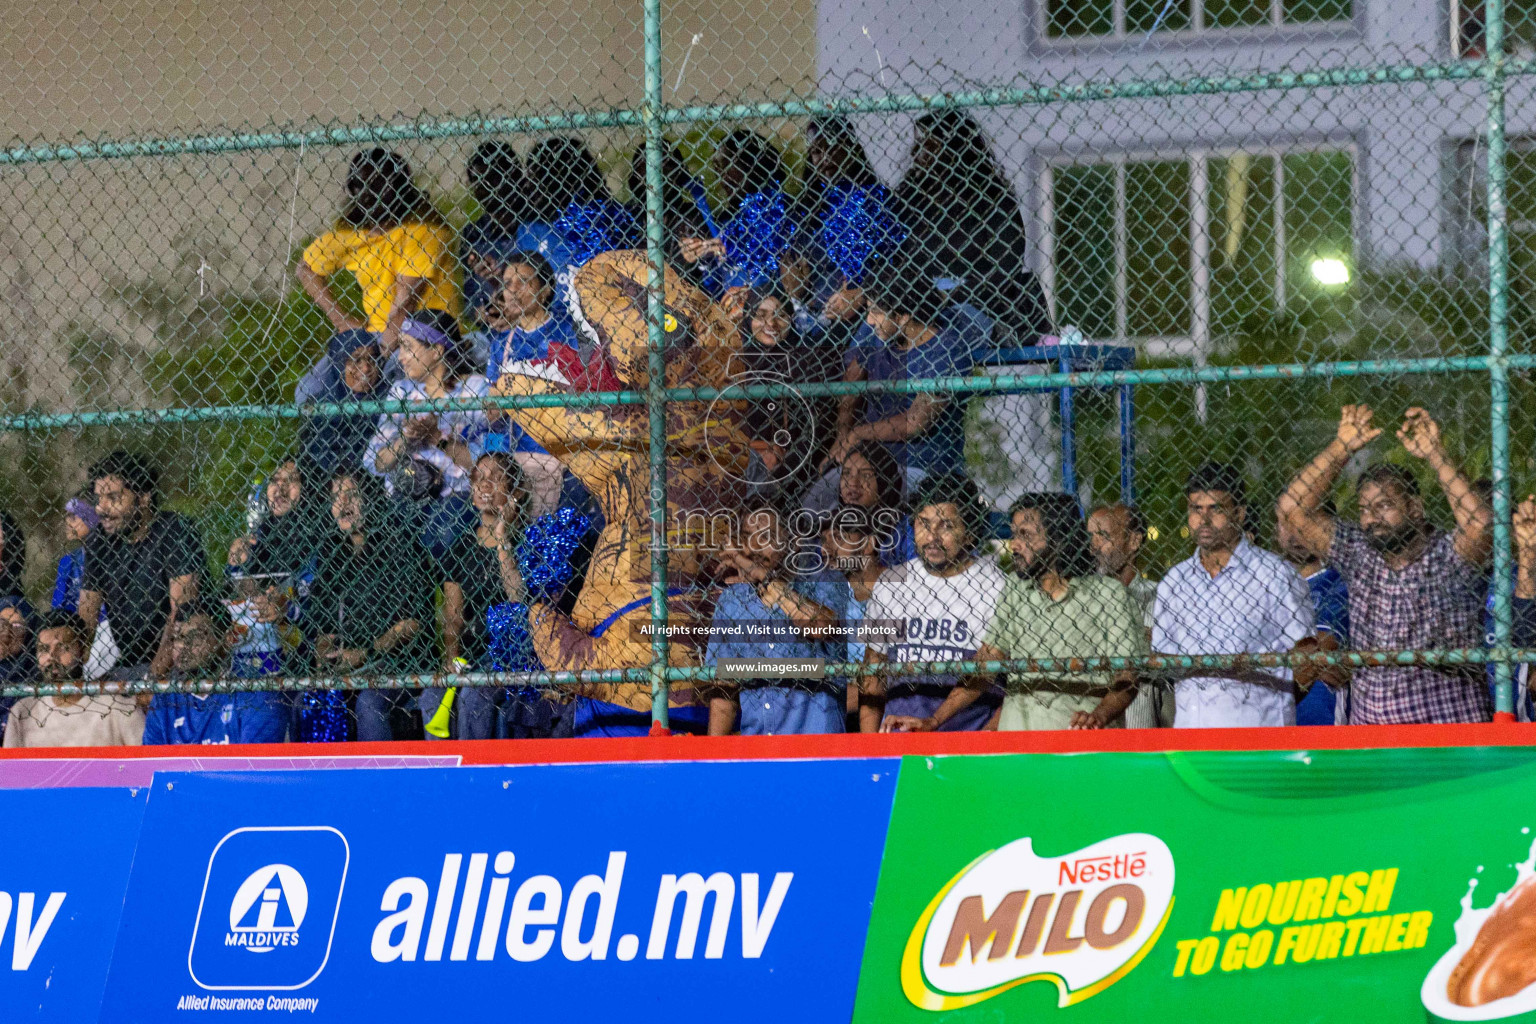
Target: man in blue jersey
(200, 640)
(1326, 704)
(539, 336)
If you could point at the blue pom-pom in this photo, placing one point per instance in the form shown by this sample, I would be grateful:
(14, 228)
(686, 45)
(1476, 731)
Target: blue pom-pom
(859, 225)
(591, 228)
(545, 552)
(510, 647)
(323, 717)
(756, 238)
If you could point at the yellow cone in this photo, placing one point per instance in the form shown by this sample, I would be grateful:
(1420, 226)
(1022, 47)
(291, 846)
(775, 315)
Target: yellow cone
(438, 726)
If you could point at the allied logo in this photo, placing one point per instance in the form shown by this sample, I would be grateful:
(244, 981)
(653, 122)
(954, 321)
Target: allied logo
(274, 892)
(1081, 921)
(268, 908)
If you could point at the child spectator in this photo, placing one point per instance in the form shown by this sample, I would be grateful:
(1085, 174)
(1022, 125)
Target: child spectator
(944, 598)
(200, 651)
(394, 242)
(371, 605)
(350, 372)
(70, 721)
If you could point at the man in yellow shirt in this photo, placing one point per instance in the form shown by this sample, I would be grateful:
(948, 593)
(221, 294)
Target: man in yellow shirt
(390, 237)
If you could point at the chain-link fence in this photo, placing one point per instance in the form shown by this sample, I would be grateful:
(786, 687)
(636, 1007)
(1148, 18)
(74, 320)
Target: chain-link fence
(498, 371)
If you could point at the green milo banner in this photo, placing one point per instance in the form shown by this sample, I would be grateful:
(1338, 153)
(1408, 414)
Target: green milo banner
(1348, 885)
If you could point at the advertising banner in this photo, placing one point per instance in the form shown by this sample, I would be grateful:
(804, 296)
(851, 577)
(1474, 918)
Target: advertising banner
(1382, 885)
(641, 892)
(64, 859)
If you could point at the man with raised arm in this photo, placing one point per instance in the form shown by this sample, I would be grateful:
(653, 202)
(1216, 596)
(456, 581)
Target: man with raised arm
(1411, 586)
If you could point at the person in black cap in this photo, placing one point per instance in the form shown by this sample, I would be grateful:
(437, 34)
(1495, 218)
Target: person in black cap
(917, 334)
(350, 371)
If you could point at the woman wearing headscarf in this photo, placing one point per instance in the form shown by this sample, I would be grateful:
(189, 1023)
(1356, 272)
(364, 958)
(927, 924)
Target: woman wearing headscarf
(843, 186)
(500, 188)
(750, 236)
(962, 212)
(788, 432)
(684, 207)
(371, 615)
(270, 570)
(574, 213)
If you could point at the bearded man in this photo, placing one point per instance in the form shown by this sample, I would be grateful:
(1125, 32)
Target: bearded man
(1411, 586)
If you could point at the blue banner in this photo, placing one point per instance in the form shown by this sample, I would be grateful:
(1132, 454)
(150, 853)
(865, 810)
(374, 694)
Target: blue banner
(639, 892)
(64, 859)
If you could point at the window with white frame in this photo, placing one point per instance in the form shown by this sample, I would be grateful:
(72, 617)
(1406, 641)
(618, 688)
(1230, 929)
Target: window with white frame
(1175, 249)
(1114, 19)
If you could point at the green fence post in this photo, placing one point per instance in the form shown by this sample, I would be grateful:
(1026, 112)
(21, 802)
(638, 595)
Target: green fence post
(1498, 345)
(656, 403)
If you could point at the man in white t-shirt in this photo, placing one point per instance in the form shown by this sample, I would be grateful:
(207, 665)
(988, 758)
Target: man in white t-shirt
(943, 599)
(76, 721)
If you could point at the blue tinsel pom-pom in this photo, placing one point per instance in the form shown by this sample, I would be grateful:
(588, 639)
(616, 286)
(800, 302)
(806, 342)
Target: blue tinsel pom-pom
(545, 552)
(510, 646)
(858, 225)
(757, 237)
(323, 717)
(591, 228)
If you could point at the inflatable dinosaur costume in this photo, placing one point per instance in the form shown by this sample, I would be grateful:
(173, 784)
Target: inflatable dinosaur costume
(607, 448)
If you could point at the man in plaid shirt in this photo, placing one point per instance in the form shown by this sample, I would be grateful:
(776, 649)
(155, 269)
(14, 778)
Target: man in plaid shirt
(1411, 586)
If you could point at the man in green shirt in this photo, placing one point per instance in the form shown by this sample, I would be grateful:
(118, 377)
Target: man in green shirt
(1055, 606)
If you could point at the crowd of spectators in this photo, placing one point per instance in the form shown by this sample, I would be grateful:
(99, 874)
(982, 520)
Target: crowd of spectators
(389, 546)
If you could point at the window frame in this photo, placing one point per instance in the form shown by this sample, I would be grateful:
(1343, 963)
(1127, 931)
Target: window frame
(1196, 344)
(1276, 31)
